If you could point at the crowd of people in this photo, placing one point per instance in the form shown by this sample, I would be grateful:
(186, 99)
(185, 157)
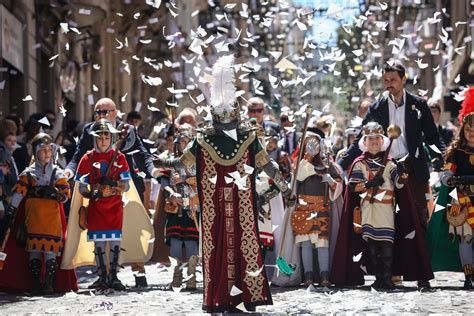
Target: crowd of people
(249, 197)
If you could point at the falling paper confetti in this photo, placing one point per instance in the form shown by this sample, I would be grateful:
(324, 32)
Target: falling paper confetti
(234, 291)
(410, 235)
(357, 257)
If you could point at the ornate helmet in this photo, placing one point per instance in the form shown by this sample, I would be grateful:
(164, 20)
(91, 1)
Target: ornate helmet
(468, 119)
(271, 133)
(224, 110)
(39, 141)
(103, 126)
(372, 129)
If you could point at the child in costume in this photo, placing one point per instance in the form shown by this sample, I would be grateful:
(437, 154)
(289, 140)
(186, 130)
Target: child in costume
(182, 205)
(102, 180)
(317, 186)
(43, 187)
(378, 204)
(459, 174)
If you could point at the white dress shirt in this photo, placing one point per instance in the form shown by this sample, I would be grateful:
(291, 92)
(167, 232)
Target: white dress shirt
(397, 117)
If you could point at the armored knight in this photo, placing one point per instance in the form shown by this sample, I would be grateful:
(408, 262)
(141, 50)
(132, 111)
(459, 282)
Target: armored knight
(226, 154)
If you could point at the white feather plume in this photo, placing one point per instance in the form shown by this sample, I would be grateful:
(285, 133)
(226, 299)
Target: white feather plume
(223, 87)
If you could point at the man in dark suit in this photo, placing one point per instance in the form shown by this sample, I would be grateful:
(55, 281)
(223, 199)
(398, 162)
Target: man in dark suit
(138, 159)
(413, 116)
(446, 133)
(289, 138)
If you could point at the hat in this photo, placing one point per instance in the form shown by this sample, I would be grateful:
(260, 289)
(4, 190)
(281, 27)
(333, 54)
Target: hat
(352, 131)
(103, 126)
(373, 129)
(39, 141)
(314, 131)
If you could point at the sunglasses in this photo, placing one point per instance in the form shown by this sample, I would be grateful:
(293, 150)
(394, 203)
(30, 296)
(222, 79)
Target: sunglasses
(102, 112)
(255, 110)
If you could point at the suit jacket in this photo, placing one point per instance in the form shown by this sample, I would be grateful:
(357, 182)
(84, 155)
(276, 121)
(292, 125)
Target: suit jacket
(419, 127)
(446, 134)
(142, 159)
(285, 144)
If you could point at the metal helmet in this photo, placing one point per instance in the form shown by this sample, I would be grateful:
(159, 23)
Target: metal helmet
(40, 140)
(103, 126)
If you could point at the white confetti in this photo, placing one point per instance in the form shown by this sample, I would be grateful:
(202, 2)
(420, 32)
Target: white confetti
(248, 169)
(357, 257)
(256, 273)
(234, 291)
(410, 235)
(454, 194)
(27, 98)
(213, 179)
(231, 133)
(379, 196)
(44, 121)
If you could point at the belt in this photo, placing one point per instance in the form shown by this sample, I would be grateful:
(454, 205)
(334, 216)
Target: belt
(314, 202)
(389, 193)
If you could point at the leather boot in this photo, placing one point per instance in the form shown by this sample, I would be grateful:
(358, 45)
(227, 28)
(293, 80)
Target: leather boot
(469, 274)
(308, 278)
(191, 282)
(101, 282)
(375, 261)
(51, 268)
(324, 282)
(177, 275)
(34, 266)
(386, 256)
(140, 281)
(114, 282)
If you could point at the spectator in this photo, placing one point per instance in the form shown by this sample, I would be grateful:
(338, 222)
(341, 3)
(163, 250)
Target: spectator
(256, 108)
(414, 118)
(446, 133)
(134, 118)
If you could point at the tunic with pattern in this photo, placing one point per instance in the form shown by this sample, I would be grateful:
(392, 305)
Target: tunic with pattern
(105, 214)
(378, 219)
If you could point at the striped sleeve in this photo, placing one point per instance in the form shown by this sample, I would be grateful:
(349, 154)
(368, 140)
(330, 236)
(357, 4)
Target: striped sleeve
(357, 174)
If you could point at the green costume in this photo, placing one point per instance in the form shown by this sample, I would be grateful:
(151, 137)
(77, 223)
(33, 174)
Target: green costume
(443, 250)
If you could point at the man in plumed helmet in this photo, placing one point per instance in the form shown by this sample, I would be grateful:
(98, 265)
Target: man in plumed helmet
(226, 154)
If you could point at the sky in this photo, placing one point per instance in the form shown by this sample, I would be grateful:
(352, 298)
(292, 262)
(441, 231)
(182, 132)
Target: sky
(324, 28)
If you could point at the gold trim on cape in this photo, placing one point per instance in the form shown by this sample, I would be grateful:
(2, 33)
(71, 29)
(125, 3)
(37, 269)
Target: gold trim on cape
(208, 217)
(249, 244)
(218, 159)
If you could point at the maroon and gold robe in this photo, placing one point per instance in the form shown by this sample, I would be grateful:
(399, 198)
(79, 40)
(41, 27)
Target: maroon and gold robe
(230, 246)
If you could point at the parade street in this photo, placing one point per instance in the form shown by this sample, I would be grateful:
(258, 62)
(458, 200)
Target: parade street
(271, 157)
(445, 298)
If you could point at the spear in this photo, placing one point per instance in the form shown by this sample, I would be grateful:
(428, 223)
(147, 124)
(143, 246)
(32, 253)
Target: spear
(281, 263)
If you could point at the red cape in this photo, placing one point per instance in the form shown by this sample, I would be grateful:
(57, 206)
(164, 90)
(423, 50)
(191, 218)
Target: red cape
(411, 258)
(15, 276)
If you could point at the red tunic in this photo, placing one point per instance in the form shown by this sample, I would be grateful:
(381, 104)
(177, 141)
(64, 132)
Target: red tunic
(105, 215)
